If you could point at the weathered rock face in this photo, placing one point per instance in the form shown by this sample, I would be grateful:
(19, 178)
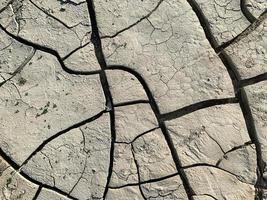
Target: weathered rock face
(114, 99)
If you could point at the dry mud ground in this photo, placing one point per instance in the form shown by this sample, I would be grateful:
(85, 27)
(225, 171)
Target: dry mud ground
(141, 99)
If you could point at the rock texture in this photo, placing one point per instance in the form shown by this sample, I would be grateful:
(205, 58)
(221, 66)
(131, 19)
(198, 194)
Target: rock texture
(112, 99)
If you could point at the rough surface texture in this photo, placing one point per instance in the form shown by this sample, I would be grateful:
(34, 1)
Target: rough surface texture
(130, 100)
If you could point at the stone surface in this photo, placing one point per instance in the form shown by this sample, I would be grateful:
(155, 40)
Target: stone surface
(112, 99)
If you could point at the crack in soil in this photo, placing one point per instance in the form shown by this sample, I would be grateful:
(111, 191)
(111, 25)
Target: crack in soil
(246, 12)
(238, 85)
(240, 94)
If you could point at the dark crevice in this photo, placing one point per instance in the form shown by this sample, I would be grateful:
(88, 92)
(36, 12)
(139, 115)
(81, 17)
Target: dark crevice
(8, 159)
(112, 148)
(16, 167)
(49, 51)
(37, 193)
(71, 2)
(233, 149)
(96, 41)
(239, 147)
(244, 33)
(240, 94)
(128, 103)
(137, 22)
(244, 104)
(6, 6)
(246, 12)
(54, 189)
(195, 107)
(145, 182)
(45, 142)
(208, 32)
(204, 23)
(253, 80)
(231, 69)
(154, 106)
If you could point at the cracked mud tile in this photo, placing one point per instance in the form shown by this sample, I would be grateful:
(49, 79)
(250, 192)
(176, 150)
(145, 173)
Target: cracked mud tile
(82, 59)
(75, 16)
(127, 193)
(125, 87)
(205, 135)
(249, 52)
(12, 55)
(256, 7)
(4, 4)
(46, 194)
(13, 186)
(170, 51)
(218, 184)
(114, 15)
(133, 120)
(69, 14)
(241, 162)
(203, 197)
(257, 98)
(33, 24)
(124, 168)
(153, 156)
(224, 17)
(76, 161)
(171, 188)
(43, 100)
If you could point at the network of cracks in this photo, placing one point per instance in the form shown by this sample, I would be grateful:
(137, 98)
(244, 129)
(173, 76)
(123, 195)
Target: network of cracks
(159, 99)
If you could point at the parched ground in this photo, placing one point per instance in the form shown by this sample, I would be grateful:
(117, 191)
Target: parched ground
(129, 100)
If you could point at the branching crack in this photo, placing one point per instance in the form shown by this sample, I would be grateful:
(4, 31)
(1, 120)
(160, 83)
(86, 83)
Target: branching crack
(44, 143)
(246, 12)
(137, 22)
(49, 51)
(240, 92)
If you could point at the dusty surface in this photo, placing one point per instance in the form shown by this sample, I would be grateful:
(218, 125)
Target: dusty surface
(159, 99)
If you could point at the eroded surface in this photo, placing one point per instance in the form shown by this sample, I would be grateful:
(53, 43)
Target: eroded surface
(157, 99)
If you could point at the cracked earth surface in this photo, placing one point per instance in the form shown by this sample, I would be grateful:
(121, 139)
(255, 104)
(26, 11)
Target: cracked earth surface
(145, 99)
